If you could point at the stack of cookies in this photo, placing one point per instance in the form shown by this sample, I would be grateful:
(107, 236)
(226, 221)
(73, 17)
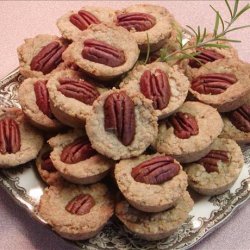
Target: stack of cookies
(102, 112)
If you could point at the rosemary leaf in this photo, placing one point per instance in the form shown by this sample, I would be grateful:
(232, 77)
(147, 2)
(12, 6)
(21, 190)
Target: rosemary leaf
(215, 45)
(236, 4)
(216, 24)
(229, 8)
(148, 50)
(238, 28)
(247, 7)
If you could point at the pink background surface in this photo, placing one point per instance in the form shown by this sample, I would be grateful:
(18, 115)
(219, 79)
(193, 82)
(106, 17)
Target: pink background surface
(23, 19)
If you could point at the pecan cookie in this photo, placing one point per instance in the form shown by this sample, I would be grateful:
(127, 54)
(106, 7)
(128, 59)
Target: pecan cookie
(76, 212)
(160, 175)
(217, 171)
(167, 87)
(103, 51)
(19, 142)
(76, 160)
(188, 134)
(73, 23)
(34, 99)
(147, 24)
(41, 55)
(154, 226)
(222, 84)
(121, 125)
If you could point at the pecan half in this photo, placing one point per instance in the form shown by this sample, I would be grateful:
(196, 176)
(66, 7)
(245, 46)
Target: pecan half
(185, 125)
(156, 170)
(81, 204)
(204, 56)
(42, 97)
(119, 117)
(10, 139)
(103, 53)
(46, 163)
(136, 21)
(240, 118)
(78, 89)
(210, 161)
(83, 19)
(156, 88)
(214, 84)
(48, 58)
(78, 150)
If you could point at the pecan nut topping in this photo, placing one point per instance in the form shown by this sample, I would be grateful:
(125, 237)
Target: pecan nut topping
(119, 117)
(185, 125)
(78, 150)
(10, 139)
(213, 84)
(204, 56)
(48, 58)
(103, 53)
(240, 118)
(46, 163)
(81, 204)
(136, 21)
(83, 19)
(210, 161)
(78, 89)
(42, 97)
(156, 170)
(156, 88)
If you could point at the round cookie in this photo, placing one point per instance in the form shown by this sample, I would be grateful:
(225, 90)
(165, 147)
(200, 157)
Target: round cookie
(166, 86)
(160, 175)
(73, 23)
(76, 160)
(103, 51)
(19, 142)
(148, 24)
(41, 55)
(154, 226)
(216, 172)
(76, 212)
(188, 134)
(122, 125)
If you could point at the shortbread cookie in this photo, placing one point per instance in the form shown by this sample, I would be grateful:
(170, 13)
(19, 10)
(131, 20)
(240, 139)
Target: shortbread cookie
(76, 212)
(167, 87)
(103, 51)
(216, 172)
(154, 226)
(73, 23)
(122, 125)
(76, 160)
(188, 134)
(19, 142)
(160, 175)
(222, 84)
(41, 55)
(148, 24)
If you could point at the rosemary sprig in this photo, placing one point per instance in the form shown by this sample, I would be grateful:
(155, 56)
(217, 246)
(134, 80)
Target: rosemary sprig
(221, 28)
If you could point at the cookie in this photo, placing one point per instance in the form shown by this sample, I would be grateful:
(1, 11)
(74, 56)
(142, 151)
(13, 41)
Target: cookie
(216, 172)
(122, 125)
(188, 134)
(76, 212)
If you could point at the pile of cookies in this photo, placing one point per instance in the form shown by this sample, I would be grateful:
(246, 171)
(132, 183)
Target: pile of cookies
(92, 110)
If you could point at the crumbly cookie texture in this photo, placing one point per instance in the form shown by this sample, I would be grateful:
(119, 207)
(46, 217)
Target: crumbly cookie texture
(159, 197)
(31, 140)
(71, 226)
(155, 36)
(88, 171)
(178, 82)
(106, 143)
(234, 96)
(71, 32)
(215, 183)
(155, 226)
(117, 37)
(195, 147)
(30, 48)
(27, 100)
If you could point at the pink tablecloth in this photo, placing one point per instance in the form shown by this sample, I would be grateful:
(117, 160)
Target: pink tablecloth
(19, 20)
